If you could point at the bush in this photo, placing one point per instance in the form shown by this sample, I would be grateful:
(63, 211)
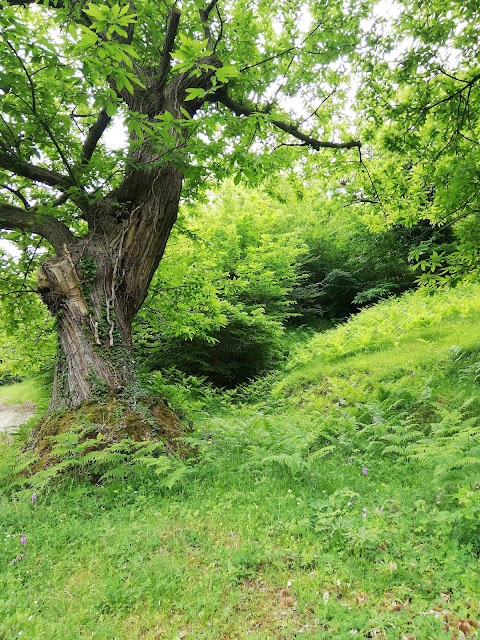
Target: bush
(218, 305)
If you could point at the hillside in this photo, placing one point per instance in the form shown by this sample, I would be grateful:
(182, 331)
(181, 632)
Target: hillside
(339, 498)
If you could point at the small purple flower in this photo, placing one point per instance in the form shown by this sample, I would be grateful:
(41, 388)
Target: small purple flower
(34, 498)
(365, 471)
(23, 540)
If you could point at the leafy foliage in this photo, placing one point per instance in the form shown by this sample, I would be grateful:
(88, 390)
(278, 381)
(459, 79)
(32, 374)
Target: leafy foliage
(421, 119)
(220, 298)
(80, 453)
(224, 291)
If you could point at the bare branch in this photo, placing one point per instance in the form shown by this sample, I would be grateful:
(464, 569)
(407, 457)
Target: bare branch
(209, 7)
(220, 31)
(377, 195)
(290, 144)
(241, 110)
(12, 163)
(60, 152)
(315, 113)
(449, 75)
(447, 221)
(24, 3)
(29, 77)
(17, 193)
(94, 134)
(53, 230)
(171, 34)
(13, 292)
(272, 57)
(281, 53)
(204, 18)
(33, 108)
(462, 135)
(468, 84)
(362, 200)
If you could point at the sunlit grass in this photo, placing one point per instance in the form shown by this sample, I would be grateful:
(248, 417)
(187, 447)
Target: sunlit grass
(413, 333)
(241, 557)
(31, 390)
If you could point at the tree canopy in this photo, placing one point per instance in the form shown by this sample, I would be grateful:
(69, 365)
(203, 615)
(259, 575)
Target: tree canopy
(419, 101)
(238, 71)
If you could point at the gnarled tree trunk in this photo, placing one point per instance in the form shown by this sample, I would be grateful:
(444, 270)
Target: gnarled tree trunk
(95, 286)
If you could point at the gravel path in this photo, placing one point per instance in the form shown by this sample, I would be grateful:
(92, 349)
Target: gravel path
(11, 415)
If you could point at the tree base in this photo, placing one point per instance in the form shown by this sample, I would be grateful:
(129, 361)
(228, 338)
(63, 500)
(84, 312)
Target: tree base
(111, 421)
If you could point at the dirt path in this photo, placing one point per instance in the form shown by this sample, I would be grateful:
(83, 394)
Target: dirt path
(11, 415)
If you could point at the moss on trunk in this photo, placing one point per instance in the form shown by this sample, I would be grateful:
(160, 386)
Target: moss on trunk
(115, 419)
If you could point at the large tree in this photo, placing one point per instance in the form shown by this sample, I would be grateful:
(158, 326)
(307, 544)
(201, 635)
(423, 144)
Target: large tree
(195, 85)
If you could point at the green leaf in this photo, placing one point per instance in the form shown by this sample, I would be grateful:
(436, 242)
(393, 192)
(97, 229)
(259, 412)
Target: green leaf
(224, 74)
(192, 94)
(98, 11)
(182, 55)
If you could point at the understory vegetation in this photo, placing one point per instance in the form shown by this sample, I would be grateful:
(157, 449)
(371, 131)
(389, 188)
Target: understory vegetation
(337, 497)
(240, 274)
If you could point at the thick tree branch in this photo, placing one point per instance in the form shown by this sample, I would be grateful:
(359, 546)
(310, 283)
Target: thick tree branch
(204, 18)
(19, 167)
(171, 34)
(38, 174)
(241, 110)
(53, 230)
(220, 31)
(94, 134)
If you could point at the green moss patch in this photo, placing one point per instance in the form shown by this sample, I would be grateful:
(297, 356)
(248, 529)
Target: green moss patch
(102, 424)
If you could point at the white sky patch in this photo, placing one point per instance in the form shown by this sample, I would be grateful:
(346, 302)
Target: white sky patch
(304, 22)
(116, 136)
(10, 247)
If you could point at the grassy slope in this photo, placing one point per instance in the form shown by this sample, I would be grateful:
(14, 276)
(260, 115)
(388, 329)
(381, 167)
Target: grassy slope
(261, 540)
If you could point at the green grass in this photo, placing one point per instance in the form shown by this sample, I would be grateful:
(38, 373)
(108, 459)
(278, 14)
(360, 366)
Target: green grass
(414, 336)
(27, 391)
(236, 557)
(275, 531)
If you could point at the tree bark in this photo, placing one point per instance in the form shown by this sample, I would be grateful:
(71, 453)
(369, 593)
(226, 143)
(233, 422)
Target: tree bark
(95, 286)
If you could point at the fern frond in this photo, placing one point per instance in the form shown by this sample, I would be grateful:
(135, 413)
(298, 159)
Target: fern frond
(320, 453)
(175, 476)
